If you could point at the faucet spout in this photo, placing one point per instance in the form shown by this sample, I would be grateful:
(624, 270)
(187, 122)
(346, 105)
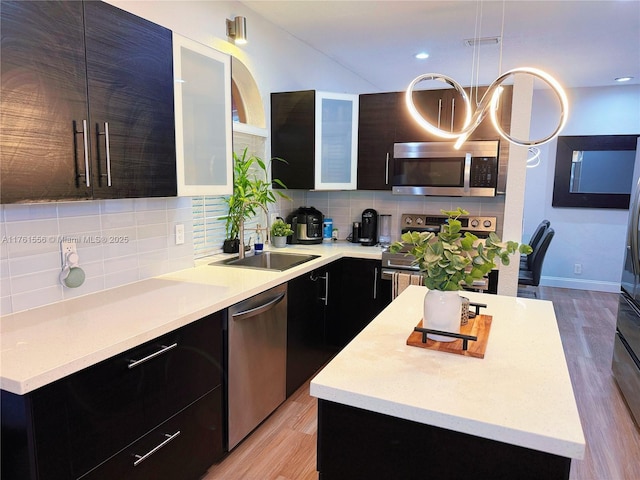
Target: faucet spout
(241, 230)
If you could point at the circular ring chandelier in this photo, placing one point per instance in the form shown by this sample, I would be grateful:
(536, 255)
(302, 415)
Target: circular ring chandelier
(488, 104)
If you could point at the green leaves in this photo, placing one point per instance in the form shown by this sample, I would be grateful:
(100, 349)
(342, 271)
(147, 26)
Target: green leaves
(251, 190)
(449, 258)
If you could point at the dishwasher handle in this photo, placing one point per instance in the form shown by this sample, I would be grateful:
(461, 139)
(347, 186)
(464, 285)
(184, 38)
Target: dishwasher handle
(259, 309)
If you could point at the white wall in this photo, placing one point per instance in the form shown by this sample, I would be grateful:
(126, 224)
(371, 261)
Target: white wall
(594, 238)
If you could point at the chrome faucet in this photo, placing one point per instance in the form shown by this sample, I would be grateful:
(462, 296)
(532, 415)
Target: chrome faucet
(241, 231)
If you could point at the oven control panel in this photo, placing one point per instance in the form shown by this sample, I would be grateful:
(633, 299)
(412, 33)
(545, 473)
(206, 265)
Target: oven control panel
(426, 222)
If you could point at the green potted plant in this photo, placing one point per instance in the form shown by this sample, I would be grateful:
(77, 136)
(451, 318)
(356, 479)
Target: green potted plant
(251, 191)
(279, 233)
(448, 260)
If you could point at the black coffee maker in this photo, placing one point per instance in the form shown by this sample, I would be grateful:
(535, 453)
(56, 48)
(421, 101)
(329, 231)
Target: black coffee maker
(369, 227)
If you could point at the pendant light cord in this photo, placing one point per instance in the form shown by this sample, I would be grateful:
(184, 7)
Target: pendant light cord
(504, 3)
(475, 63)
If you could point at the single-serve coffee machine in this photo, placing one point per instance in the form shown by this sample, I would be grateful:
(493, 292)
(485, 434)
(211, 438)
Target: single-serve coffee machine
(369, 227)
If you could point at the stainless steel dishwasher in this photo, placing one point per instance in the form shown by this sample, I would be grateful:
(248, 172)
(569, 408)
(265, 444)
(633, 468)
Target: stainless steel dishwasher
(257, 362)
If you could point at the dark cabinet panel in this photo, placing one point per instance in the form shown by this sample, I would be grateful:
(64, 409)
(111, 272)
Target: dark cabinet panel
(130, 85)
(78, 78)
(364, 297)
(43, 101)
(434, 105)
(312, 306)
(184, 447)
(376, 130)
(293, 138)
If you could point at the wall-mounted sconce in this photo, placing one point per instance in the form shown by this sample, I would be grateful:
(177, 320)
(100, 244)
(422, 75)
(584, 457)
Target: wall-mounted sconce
(237, 29)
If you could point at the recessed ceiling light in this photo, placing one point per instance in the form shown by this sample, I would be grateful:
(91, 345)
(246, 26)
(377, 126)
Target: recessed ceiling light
(623, 79)
(422, 55)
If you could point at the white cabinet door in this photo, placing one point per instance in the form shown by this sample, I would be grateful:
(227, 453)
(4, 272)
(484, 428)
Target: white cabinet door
(202, 93)
(336, 139)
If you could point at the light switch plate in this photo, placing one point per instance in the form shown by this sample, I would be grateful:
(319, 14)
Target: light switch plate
(179, 234)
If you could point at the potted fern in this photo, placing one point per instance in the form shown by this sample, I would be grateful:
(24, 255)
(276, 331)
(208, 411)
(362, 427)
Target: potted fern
(448, 260)
(251, 192)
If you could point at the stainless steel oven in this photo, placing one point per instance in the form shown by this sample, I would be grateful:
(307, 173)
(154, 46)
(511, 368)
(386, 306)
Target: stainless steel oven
(436, 168)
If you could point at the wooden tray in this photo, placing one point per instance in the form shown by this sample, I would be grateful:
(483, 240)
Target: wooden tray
(480, 326)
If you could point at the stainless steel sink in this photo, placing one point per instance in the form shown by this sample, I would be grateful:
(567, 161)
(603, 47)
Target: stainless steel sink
(267, 261)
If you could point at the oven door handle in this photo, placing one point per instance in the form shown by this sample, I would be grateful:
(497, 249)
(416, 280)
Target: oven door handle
(402, 267)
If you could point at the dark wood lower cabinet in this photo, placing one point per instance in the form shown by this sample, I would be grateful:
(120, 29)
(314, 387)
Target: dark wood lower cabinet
(363, 297)
(356, 443)
(68, 428)
(312, 307)
(183, 447)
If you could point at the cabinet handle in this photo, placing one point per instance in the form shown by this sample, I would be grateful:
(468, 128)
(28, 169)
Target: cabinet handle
(439, 111)
(375, 283)
(164, 349)
(107, 149)
(326, 289)
(142, 458)
(386, 171)
(85, 145)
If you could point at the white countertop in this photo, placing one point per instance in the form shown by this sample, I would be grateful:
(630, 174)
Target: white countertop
(520, 393)
(42, 345)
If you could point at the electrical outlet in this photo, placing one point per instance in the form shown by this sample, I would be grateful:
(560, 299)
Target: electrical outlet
(67, 248)
(577, 268)
(274, 216)
(179, 234)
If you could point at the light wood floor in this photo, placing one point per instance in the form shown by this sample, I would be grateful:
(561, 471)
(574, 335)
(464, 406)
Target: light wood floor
(284, 446)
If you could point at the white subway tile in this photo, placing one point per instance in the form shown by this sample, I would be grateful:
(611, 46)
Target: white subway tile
(78, 209)
(36, 298)
(36, 211)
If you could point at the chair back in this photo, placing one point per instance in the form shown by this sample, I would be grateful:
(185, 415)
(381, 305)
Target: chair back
(539, 254)
(534, 242)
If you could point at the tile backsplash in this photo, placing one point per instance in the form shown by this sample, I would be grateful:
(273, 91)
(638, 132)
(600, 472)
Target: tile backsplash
(345, 207)
(123, 241)
(118, 242)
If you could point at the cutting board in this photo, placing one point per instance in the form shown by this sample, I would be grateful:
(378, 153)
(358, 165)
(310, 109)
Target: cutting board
(480, 326)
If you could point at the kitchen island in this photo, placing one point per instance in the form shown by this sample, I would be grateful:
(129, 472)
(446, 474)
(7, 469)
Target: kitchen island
(389, 410)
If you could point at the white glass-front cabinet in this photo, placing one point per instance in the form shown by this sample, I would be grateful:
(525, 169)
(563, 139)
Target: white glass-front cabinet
(336, 139)
(202, 93)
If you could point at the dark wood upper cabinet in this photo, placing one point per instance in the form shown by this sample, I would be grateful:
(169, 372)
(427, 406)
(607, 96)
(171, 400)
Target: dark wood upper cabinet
(316, 133)
(87, 103)
(293, 138)
(376, 130)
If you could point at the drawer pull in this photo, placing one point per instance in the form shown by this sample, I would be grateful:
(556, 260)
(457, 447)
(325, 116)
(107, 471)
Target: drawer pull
(165, 348)
(142, 458)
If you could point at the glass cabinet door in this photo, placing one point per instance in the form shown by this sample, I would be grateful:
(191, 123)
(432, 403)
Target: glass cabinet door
(336, 141)
(203, 118)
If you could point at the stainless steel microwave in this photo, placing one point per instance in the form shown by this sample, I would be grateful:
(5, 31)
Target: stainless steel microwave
(436, 168)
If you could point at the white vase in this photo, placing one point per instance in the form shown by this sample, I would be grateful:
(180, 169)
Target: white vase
(442, 310)
(279, 242)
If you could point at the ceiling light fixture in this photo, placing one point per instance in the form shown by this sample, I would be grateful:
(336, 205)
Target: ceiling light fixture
(488, 104)
(472, 42)
(491, 98)
(623, 79)
(237, 30)
(422, 55)
(533, 157)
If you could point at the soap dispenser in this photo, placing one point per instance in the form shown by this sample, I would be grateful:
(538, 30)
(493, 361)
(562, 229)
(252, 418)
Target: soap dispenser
(258, 245)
